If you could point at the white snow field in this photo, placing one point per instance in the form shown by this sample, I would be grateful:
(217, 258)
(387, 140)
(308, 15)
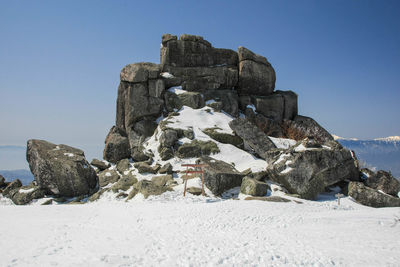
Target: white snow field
(170, 230)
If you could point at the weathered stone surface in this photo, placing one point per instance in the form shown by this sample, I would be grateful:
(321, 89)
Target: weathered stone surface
(98, 194)
(166, 153)
(224, 138)
(156, 88)
(123, 165)
(197, 148)
(161, 180)
(139, 72)
(167, 37)
(271, 106)
(101, 165)
(147, 188)
(301, 127)
(256, 75)
(371, 197)
(269, 126)
(145, 127)
(306, 170)
(290, 104)
(192, 51)
(385, 182)
(117, 146)
(168, 138)
(269, 199)
(172, 102)
(228, 98)
(11, 186)
(167, 168)
(194, 100)
(25, 194)
(108, 177)
(203, 78)
(124, 183)
(138, 154)
(220, 176)
(60, 169)
(144, 167)
(254, 139)
(253, 187)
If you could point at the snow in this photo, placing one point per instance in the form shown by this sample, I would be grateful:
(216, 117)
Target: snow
(108, 174)
(167, 75)
(26, 191)
(177, 90)
(211, 101)
(198, 120)
(69, 154)
(200, 231)
(282, 142)
(252, 107)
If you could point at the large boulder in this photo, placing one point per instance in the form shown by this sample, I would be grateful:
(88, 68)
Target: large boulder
(108, 177)
(255, 140)
(60, 169)
(2, 181)
(371, 197)
(101, 165)
(256, 75)
(117, 145)
(306, 168)
(253, 187)
(290, 104)
(384, 182)
(220, 176)
(194, 100)
(301, 127)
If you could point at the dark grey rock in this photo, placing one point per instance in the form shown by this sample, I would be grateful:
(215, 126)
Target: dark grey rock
(301, 127)
(224, 138)
(220, 176)
(269, 126)
(253, 187)
(194, 100)
(168, 138)
(371, 197)
(101, 165)
(228, 98)
(117, 146)
(24, 195)
(145, 127)
(271, 106)
(108, 177)
(2, 181)
(254, 139)
(385, 182)
(307, 171)
(172, 102)
(144, 167)
(139, 72)
(194, 190)
(166, 153)
(60, 169)
(197, 148)
(139, 155)
(269, 199)
(290, 104)
(256, 75)
(156, 87)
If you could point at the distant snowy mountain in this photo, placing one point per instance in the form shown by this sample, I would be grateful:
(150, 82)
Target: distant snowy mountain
(381, 153)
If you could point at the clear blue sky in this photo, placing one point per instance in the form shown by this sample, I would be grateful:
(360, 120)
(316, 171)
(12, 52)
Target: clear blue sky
(60, 60)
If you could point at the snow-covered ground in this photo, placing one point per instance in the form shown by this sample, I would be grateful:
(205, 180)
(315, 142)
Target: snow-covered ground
(196, 231)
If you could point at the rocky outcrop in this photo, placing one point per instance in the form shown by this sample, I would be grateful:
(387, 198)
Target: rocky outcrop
(304, 127)
(146, 188)
(14, 185)
(371, 197)
(384, 182)
(197, 149)
(253, 187)
(307, 168)
(2, 181)
(117, 145)
(108, 177)
(25, 194)
(101, 165)
(254, 139)
(60, 169)
(220, 176)
(256, 75)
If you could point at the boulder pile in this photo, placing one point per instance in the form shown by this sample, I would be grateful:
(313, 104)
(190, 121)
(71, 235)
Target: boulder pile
(301, 157)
